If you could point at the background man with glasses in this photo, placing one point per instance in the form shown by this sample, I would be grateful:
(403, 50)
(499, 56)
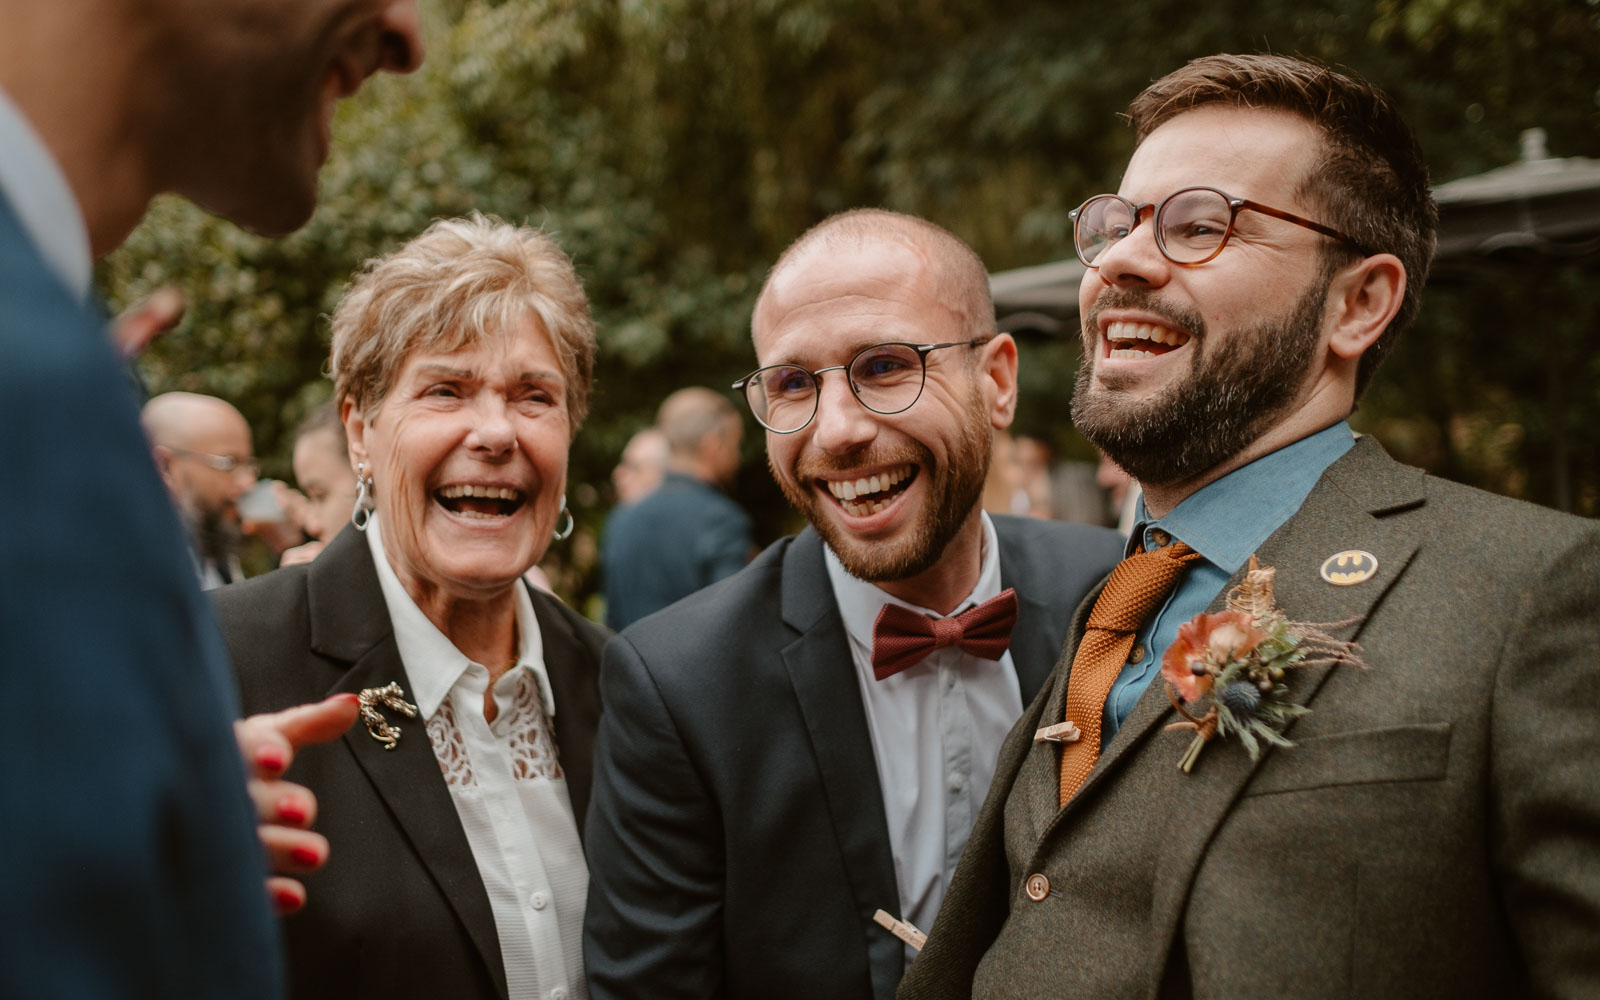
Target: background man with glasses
(1435, 828)
(768, 774)
(203, 452)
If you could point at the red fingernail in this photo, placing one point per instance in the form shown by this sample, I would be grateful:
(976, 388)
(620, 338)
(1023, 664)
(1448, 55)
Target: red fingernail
(286, 901)
(291, 811)
(304, 856)
(347, 698)
(271, 759)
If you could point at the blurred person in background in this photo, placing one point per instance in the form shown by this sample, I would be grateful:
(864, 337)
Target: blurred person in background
(462, 365)
(137, 872)
(686, 534)
(642, 468)
(202, 449)
(326, 479)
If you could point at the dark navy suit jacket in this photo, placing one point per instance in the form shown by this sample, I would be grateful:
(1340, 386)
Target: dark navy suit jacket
(737, 842)
(131, 863)
(683, 537)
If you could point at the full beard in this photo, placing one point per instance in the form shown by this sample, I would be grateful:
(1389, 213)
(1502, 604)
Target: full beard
(1232, 396)
(218, 538)
(952, 494)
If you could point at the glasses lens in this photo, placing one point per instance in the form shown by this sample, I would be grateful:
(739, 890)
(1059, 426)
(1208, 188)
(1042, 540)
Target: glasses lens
(1102, 221)
(887, 378)
(782, 397)
(1193, 224)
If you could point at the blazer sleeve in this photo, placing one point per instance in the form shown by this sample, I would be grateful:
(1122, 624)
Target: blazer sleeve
(653, 928)
(1545, 774)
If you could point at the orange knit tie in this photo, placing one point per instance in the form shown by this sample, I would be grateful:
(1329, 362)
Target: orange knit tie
(1137, 587)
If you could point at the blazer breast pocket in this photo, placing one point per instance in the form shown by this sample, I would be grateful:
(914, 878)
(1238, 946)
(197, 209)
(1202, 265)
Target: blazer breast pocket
(1419, 752)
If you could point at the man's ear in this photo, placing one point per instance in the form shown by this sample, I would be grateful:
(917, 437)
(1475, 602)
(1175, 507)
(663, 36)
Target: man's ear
(1362, 300)
(163, 458)
(998, 363)
(355, 432)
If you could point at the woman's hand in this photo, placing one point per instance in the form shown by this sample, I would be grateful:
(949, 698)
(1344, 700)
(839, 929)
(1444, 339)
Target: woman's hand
(286, 810)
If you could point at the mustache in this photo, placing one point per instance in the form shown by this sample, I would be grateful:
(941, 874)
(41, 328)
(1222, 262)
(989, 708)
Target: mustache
(1145, 300)
(819, 466)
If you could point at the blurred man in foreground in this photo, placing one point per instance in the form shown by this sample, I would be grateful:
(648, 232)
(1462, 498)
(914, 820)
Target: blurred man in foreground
(136, 869)
(202, 449)
(1426, 826)
(792, 750)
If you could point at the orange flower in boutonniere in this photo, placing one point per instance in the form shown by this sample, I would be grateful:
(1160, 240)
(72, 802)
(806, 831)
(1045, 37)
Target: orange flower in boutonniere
(1239, 658)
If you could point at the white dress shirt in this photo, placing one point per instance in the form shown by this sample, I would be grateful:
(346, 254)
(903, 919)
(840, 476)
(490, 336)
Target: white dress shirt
(38, 192)
(507, 786)
(936, 732)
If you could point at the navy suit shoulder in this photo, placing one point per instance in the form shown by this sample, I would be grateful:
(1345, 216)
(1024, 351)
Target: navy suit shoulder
(137, 870)
(682, 537)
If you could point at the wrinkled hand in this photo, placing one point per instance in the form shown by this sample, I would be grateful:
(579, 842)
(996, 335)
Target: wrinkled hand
(286, 810)
(133, 331)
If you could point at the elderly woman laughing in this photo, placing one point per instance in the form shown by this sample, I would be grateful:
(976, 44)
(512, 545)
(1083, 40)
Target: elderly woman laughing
(462, 364)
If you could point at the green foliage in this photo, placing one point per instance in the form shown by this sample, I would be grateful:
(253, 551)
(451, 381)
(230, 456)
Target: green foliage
(674, 147)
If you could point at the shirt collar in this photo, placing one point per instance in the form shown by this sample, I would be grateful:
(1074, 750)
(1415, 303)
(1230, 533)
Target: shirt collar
(860, 601)
(432, 661)
(1227, 520)
(32, 182)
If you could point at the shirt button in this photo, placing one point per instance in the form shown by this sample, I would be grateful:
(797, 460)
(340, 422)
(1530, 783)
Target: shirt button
(538, 901)
(559, 993)
(1137, 655)
(956, 782)
(1038, 887)
(1161, 538)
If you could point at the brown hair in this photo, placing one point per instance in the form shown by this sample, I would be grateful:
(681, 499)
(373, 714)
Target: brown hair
(1371, 180)
(458, 283)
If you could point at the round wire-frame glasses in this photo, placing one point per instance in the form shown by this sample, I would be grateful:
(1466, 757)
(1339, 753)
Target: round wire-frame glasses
(885, 378)
(1192, 225)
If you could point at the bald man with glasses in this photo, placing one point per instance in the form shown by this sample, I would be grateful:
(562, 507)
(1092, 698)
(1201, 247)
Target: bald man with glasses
(202, 449)
(804, 744)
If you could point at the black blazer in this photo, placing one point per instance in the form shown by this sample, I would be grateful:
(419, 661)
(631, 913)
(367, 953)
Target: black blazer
(399, 910)
(737, 842)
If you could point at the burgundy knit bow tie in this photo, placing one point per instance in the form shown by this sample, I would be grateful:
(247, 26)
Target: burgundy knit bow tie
(902, 637)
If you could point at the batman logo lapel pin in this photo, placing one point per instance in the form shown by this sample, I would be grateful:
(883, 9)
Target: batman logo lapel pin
(1350, 567)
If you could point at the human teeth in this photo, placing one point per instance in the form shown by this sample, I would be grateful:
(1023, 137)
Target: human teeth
(1145, 331)
(458, 491)
(848, 490)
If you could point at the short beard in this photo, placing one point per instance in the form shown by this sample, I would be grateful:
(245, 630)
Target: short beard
(951, 497)
(1226, 403)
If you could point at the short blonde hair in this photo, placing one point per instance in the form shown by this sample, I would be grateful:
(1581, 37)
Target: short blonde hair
(460, 282)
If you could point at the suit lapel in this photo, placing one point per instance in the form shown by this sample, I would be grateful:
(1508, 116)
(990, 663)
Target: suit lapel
(576, 711)
(350, 624)
(1349, 508)
(1039, 779)
(1035, 647)
(823, 675)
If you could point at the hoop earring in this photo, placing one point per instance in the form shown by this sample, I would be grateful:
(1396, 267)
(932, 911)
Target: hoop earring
(361, 513)
(563, 533)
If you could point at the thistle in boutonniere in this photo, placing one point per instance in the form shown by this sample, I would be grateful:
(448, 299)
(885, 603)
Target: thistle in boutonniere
(1238, 660)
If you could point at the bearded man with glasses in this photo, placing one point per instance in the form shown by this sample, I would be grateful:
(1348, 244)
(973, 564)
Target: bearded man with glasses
(804, 744)
(1426, 826)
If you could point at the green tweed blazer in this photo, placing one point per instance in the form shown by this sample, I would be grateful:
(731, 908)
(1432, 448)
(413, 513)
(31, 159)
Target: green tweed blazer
(1434, 832)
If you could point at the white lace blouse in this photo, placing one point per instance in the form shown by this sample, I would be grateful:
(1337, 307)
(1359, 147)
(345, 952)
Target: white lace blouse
(508, 789)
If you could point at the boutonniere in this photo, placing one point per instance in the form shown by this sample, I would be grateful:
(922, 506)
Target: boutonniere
(1238, 661)
(391, 696)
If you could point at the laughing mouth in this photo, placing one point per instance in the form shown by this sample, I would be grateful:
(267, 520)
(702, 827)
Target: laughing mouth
(479, 502)
(870, 494)
(1142, 340)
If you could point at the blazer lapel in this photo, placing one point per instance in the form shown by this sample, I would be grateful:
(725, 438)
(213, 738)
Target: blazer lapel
(350, 624)
(1041, 766)
(1035, 647)
(1349, 509)
(576, 712)
(822, 672)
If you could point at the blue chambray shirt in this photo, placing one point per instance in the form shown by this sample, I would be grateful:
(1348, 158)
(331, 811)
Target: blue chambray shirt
(1225, 522)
